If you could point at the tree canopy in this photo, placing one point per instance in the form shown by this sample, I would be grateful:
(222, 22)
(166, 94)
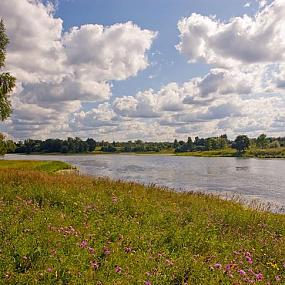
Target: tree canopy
(7, 81)
(241, 143)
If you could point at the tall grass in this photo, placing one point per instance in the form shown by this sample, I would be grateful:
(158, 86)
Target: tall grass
(48, 166)
(62, 229)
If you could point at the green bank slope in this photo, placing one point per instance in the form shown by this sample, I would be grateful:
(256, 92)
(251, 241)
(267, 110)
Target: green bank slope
(65, 229)
(47, 166)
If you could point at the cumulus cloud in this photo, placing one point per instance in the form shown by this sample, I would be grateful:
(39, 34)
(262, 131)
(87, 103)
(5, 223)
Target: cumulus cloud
(65, 77)
(57, 70)
(241, 40)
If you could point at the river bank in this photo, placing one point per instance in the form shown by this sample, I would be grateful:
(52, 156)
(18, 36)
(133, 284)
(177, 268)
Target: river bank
(77, 230)
(228, 152)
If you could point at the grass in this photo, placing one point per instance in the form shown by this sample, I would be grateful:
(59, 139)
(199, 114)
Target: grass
(48, 166)
(229, 152)
(267, 153)
(64, 229)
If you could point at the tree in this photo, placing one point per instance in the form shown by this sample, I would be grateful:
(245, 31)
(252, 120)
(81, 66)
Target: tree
(262, 141)
(3, 146)
(190, 144)
(241, 143)
(7, 82)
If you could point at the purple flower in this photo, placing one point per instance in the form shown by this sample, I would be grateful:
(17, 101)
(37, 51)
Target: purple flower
(259, 276)
(241, 272)
(218, 265)
(118, 269)
(94, 265)
(228, 267)
(147, 283)
(83, 244)
(169, 262)
(91, 250)
(248, 254)
(49, 270)
(249, 259)
(106, 250)
(128, 250)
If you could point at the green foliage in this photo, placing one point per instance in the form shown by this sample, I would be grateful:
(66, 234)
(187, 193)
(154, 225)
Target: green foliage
(262, 141)
(7, 82)
(61, 229)
(47, 166)
(241, 143)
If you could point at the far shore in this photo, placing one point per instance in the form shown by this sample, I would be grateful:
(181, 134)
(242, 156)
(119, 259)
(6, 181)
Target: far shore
(278, 153)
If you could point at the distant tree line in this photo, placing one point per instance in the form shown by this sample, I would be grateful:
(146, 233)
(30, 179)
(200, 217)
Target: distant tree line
(77, 145)
(70, 145)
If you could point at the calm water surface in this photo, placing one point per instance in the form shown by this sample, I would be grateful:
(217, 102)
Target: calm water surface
(250, 178)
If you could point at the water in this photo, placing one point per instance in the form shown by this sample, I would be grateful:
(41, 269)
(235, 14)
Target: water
(250, 178)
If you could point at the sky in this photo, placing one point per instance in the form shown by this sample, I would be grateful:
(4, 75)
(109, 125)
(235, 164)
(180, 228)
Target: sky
(150, 70)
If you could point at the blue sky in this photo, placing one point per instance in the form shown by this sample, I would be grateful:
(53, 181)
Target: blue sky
(159, 15)
(150, 70)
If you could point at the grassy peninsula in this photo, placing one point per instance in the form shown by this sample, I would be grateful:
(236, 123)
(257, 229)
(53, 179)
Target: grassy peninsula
(65, 229)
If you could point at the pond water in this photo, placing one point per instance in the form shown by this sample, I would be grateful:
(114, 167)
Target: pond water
(249, 178)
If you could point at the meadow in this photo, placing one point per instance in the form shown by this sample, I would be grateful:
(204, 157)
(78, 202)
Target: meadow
(66, 229)
(230, 152)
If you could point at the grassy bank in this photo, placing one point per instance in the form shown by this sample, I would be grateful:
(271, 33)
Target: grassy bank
(229, 152)
(62, 229)
(47, 166)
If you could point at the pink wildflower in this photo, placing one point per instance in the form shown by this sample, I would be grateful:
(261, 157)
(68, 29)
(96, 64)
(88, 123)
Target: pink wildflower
(241, 272)
(259, 276)
(248, 259)
(277, 278)
(147, 283)
(94, 265)
(118, 269)
(49, 270)
(169, 262)
(228, 267)
(128, 250)
(218, 265)
(91, 250)
(83, 244)
(106, 250)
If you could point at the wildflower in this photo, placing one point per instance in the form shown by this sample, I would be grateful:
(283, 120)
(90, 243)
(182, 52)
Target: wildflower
(218, 265)
(49, 270)
(114, 199)
(249, 259)
(228, 267)
(277, 278)
(251, 271)
(106, 250)
(118, 269)
(259, 276)
(248, 254)
(241, 272)
(169, 262)
(94, 265)
(128, 249)
(147, 283)
(83, 244)
(91, 250)
(148, 273)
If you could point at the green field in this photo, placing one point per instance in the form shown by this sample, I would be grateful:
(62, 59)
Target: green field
(229, 152)
(48, 166)
(65, 229)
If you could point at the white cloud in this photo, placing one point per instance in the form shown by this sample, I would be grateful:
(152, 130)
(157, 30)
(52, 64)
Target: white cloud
(57, 71)
(241, 40)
